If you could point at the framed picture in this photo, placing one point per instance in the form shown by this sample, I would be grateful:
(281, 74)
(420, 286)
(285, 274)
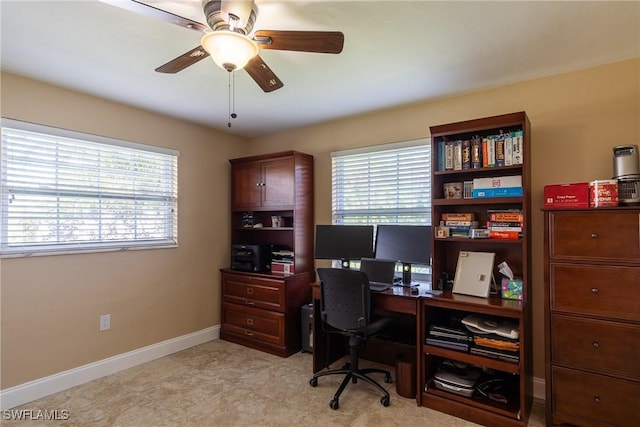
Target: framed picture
(474, 273)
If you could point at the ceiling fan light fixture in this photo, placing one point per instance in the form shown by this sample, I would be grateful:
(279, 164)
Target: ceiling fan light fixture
(228, 49)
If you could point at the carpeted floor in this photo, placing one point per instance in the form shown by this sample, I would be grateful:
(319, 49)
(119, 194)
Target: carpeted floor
(223, 384)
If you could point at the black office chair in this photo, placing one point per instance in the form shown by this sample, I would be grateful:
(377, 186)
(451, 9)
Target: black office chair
(345, 309)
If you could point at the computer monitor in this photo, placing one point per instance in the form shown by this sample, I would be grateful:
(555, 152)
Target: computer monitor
(344, 242)
(407, 244)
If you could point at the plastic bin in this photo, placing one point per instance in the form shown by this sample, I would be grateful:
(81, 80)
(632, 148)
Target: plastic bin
(406, 375)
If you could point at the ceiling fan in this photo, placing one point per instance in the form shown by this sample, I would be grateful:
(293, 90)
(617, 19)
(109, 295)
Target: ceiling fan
(229, 40)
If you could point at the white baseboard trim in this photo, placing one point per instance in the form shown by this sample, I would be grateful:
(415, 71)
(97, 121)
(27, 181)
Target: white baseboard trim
(538, 388)
(36, 389)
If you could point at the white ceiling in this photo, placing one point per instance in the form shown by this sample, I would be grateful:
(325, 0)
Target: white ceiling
(395, 53)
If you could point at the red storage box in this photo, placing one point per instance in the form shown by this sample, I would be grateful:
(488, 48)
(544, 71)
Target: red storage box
(282, 267)
(563, 196)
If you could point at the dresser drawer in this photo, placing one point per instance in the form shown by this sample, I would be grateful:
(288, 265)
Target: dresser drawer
(254, 292)
(609, 347)
(604, 235)
(595, 398)
(595, 290)
(263, 325)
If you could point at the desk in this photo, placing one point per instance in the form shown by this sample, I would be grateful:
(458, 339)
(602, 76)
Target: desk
(327, 348)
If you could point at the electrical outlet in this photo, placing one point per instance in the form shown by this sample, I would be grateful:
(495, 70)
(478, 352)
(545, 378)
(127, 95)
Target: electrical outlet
(105, 322)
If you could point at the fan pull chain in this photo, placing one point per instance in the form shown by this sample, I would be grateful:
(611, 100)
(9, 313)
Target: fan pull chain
(232, 97)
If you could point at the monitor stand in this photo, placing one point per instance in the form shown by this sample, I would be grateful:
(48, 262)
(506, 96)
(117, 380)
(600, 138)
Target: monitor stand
(406, 276)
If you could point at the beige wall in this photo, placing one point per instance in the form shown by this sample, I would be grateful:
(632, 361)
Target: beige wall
(51, 304)
(576, 119)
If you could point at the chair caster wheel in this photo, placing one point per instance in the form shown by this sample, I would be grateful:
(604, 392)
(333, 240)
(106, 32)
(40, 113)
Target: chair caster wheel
(313, 382)
(384, 400)
(387, 378)
(334, 404)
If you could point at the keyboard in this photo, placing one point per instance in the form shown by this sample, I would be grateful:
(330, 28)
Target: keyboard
(379, 286)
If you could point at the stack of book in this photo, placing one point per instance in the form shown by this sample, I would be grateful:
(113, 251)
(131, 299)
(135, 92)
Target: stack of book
(505, 223)
(503, 149)
(449, 337)
(459, 224)
(493, 337)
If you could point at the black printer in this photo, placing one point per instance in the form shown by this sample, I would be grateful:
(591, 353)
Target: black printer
(246, 257)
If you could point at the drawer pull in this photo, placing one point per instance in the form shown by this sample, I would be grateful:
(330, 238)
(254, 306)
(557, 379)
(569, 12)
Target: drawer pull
(248, 333)
(250, 322)
(596, 344)
(594, 235)
(250, 291)
(249, 302)
(596, 400)
(594, 290)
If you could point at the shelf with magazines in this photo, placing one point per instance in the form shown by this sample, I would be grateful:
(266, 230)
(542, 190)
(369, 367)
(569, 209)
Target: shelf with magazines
(483, 208)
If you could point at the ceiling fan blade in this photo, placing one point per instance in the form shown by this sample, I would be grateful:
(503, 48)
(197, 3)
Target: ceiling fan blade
(262, 74)
(301, 41)
(154, 12)
(183, 61)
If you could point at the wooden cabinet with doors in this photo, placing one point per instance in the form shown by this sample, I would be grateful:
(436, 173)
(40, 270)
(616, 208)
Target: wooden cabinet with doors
(261, 184)
(262, 309)
(592, 316)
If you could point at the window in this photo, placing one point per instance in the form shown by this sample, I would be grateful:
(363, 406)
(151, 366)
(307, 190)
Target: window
(386, 184)
(65, 191)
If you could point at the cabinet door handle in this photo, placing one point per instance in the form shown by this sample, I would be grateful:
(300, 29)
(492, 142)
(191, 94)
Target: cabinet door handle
(596, 400)
(596, 344)
(594, 235)
(250, 322)
(594, 290)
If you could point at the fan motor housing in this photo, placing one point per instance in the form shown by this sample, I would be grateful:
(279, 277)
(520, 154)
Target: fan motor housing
(219, 19)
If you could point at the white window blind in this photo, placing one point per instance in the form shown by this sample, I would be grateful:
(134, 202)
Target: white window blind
(66, 191)
(387, 184)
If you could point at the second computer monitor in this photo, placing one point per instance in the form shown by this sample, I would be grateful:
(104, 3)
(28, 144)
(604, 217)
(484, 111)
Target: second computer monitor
(406, 244)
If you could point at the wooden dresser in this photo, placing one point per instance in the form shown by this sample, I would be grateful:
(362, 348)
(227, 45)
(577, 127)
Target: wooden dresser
(592, 315)
(262, 311)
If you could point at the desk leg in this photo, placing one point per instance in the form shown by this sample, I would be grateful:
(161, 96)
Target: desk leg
(327, 348)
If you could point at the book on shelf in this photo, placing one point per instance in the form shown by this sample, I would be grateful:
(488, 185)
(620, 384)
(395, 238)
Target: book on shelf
(505, 225)
(452, 345)
(508, 149)
(458, 216)
(466, 154)
(448, 155)
(507, 235)
(457, 155)
(499, 146)
(480, 193)
(518, 152)
(506, 215)
(495, 354)
(476, 152)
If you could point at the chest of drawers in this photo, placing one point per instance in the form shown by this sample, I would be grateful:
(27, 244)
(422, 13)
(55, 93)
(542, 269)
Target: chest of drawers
(262, 311)
(592, 315)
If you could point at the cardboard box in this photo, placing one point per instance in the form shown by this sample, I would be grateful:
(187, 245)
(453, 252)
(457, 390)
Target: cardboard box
(563, 196)
(498, 182)
(282, 267)
(603, 193)
(484, 193)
